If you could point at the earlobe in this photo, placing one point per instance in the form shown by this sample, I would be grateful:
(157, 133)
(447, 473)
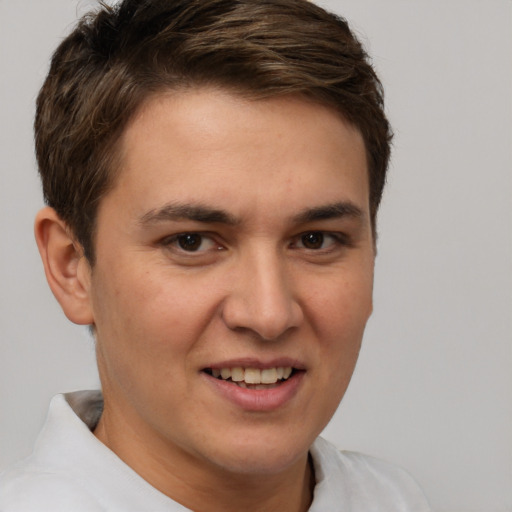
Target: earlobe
(66, 268)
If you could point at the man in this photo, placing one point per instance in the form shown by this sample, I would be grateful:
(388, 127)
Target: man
(213, 171)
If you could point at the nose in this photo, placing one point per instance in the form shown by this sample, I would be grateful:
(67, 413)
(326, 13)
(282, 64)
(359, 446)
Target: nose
(261, 298)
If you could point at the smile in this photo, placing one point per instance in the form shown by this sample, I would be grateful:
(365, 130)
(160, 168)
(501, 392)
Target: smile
(257, 387)
(253, 378)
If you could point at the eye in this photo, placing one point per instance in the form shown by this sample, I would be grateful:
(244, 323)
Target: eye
(191, 242)
(313, 240)
(317, 240)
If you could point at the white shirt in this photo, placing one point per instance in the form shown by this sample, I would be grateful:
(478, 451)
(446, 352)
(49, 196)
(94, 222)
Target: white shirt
(71, 471)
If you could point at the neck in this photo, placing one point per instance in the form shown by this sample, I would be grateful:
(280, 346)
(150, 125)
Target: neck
(202, 486)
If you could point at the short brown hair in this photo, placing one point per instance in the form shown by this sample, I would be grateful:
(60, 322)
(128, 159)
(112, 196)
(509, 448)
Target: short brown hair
(117, 57)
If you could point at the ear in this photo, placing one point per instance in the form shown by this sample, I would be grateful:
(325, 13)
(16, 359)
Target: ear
(67, 270)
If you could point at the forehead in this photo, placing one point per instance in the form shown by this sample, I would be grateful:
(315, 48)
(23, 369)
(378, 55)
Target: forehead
(202, 145)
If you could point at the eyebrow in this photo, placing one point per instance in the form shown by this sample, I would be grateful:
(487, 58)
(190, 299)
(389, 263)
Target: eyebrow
(209, 215)
(329, 211)
(198, 213)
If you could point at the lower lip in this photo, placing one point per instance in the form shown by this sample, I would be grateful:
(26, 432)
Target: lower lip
(258, 400)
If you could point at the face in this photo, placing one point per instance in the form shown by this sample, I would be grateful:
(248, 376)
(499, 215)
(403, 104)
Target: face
(233, 278)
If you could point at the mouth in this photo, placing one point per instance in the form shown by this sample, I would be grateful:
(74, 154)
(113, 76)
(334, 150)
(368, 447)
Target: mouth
(253, 378)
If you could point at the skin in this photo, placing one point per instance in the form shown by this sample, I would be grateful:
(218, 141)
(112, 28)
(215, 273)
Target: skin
(254, 289)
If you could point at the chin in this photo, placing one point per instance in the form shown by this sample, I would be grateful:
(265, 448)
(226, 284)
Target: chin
(256, 456)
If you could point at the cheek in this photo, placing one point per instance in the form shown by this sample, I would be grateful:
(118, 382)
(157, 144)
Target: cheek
(341, 312)
(339, 322)
(341, 307)
(144, 333)
(152, 317)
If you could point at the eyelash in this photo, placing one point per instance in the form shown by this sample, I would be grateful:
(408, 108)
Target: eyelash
(174, 240)
(336, 240)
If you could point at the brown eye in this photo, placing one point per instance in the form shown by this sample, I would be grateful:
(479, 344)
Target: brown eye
(313, 240)
(190, 241)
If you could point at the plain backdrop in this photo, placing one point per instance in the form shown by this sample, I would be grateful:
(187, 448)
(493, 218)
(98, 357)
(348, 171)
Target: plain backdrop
(433, 387)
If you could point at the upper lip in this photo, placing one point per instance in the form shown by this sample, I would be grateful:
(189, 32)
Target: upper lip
(250, 362)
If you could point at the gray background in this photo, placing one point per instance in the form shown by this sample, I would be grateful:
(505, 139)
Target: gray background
(433, 387)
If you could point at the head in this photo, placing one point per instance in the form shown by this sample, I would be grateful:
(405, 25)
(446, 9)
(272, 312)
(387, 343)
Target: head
(119, 57)
(214, 169)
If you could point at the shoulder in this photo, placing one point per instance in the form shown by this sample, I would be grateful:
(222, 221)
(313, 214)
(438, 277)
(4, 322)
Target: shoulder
(363, 482)
(25, 488)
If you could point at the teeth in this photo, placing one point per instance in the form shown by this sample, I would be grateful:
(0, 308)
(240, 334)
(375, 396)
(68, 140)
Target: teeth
(269, 376)
(237, 375)
(253, 376)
